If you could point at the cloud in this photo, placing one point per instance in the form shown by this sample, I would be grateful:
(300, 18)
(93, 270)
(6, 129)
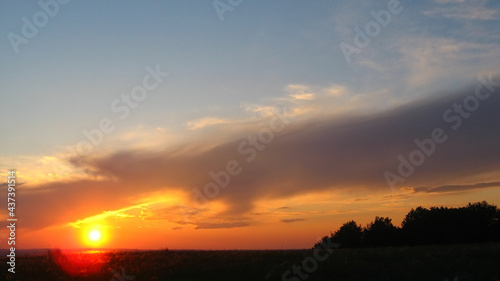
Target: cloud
(394, 196)
(204, 225)
(326, 154)
(300, 100)
(455, 188)
(260, 110)
(120, 214)
(412, 57)
(59, 203)
(432, 60)
(308, 96)
(299, 92)
(40, 168)
(336, 91)
(462, 10)
(291, 220)
(298, 89)
(179, 214)
(206, 121)
(199, 218)
(322, 154)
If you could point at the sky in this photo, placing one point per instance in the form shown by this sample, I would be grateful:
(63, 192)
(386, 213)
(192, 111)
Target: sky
(239, 124)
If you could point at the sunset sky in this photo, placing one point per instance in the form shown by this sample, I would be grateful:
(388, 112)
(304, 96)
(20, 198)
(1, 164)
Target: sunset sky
(242, 124)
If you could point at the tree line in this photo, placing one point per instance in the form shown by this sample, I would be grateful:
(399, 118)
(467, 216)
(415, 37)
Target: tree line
(474, 223)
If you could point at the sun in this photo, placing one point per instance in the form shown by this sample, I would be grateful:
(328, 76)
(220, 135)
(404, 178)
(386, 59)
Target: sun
(95, 235)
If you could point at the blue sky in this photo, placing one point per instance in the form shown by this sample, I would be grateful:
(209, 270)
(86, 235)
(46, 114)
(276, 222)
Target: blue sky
(91, 52)
(227, 76)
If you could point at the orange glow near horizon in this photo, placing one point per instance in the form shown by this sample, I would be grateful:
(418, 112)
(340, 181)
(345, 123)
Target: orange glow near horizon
(304, 220)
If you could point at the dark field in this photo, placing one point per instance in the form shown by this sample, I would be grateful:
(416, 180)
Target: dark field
(468, 262)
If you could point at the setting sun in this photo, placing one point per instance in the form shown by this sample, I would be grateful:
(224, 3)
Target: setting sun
(95, 235)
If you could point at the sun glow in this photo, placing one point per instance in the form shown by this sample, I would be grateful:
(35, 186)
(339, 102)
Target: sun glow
(95, 235)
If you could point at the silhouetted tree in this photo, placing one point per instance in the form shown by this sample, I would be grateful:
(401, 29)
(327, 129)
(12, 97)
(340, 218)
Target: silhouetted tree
(349, 235)
(414, 225)
(478, 222)
(473, 223)
(496, 226)
(323, 242)
(380, 232)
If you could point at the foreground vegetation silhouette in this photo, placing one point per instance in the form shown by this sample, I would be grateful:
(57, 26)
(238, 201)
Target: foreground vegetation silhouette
(367, 259)
(419, 263)
(474, 223)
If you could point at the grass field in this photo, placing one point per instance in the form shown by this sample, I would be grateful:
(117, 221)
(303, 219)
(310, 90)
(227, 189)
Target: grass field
(468, 262)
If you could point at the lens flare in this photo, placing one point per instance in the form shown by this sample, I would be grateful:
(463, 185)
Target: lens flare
(80, 263)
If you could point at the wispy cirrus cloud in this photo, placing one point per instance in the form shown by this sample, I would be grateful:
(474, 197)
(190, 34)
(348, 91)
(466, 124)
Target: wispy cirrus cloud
(292, 220)
(454, 188)
(259, 109)
(206, 121)
(300, 92)
(431, 60)
(217, 225)
(464, 10)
